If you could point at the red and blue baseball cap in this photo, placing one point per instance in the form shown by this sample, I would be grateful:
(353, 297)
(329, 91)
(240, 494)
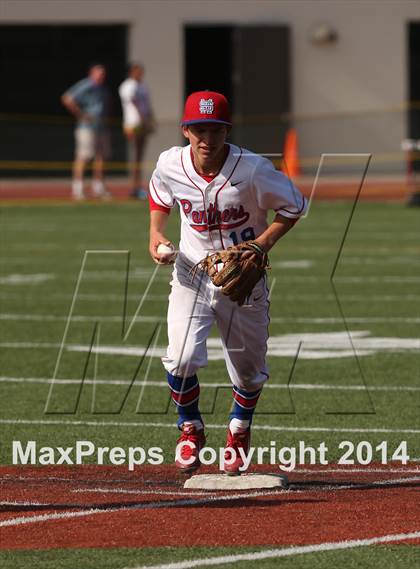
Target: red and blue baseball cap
(206, 106)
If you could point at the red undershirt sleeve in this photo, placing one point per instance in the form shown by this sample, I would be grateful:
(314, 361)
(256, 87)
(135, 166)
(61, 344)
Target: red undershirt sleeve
(154, 206)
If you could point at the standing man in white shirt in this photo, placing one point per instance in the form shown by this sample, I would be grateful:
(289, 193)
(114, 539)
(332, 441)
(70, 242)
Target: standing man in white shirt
(138, 122)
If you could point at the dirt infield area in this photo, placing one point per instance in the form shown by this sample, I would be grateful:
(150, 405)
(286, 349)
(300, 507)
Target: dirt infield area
(59, 189)
(103, 507)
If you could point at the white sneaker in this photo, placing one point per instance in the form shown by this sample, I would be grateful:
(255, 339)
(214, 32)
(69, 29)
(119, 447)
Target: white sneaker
(99, 190)
(77, 191)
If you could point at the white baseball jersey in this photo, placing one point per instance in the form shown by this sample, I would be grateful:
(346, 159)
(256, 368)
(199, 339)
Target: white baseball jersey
(135, 100)
(231, 208)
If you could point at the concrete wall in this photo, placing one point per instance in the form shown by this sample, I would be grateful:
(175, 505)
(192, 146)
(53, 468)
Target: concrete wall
(364, 71)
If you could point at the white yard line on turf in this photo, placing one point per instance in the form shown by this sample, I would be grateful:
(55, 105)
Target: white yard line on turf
(321, 345)
(22, 520)
(80, 318)
(300, 386)
(104, 491)
(277, 320)
(349, 319)
(26, 279)
(49, 517)
(410, 260)
(284, 552)
(141, 492)
(351, 260)
(26, 503)
(354, 485)
(98, 297)
(371, 279)
(108, 276)
(131, 424)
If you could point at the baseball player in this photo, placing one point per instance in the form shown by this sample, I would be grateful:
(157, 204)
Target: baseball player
(224, 193)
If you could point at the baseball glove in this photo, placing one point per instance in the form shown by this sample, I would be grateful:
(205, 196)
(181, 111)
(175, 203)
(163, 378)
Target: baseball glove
(236, 269)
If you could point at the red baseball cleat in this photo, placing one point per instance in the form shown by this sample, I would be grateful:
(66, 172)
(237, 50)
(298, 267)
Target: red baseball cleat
(235, 442)
(188, 447)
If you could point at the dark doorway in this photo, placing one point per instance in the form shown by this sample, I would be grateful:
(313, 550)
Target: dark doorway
(208, 59)
(414, 89)
(38, 63)
(251, 66)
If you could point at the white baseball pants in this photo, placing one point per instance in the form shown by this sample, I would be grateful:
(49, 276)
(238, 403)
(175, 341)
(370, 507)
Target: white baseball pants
(194, 306)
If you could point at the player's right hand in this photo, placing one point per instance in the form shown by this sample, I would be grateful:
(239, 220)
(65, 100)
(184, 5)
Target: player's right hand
(156, 239)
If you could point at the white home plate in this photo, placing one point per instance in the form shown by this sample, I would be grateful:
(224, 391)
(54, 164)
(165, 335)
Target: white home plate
(244, 482)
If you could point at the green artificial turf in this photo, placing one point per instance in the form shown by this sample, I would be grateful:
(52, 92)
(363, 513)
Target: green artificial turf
(373, 557)
(376, 279)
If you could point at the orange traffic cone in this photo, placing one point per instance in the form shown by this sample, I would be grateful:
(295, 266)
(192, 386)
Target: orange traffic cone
(290, 155)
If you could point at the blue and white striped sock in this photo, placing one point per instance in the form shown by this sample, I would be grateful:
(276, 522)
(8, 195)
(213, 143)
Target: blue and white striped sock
(185, 393)
(244, 403)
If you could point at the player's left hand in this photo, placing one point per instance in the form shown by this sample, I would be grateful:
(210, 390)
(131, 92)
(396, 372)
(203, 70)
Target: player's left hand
(242, 266)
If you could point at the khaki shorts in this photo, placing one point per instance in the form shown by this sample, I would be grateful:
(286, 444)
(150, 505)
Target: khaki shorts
(133, 130)
(92, 144)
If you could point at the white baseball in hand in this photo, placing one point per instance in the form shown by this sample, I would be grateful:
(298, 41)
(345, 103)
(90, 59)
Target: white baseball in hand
(166, 253)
